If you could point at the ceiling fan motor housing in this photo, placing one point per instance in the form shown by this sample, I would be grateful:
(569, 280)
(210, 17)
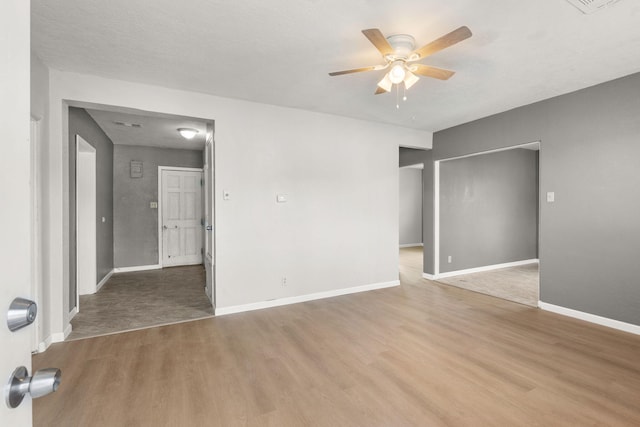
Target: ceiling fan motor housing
(402, 44)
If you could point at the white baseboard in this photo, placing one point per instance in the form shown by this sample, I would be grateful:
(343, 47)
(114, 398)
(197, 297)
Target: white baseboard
(61, 336)
(73, 312)
(137, 268)
(593, 318)
(411, 245)
(485, 268)
(104, 279)
(302, 298)
(44, 345)
(428, 276)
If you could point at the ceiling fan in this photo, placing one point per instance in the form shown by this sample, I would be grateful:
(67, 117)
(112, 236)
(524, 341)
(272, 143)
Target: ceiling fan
(399, 54)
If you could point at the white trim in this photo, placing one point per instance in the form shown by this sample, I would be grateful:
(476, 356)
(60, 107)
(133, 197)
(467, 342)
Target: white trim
(486, 268)
(160, 170)
(302, 298)
(44, 345)
(436, 218)
(436, 201)
(137, 268)
(61, 336)
(592, 318)
(411, 245)
(73, 312)
(104, 279)
(428, 276)
(36, 228)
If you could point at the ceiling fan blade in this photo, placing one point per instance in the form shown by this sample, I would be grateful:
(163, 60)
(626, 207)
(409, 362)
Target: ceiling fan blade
(379, 90)
(444, 42)
(378, 40)
(355, 70)
(428, 71)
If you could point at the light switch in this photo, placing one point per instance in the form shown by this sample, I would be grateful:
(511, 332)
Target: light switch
(153, 205)
(281, 198)
(226, 195)
(551, 197)
(104, 219)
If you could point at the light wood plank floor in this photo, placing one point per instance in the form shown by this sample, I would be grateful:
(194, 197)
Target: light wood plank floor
(420, 354)
(143, 299)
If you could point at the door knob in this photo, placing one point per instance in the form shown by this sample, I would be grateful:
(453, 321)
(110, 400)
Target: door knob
(165, 227)
(22, 312)
(43, 382)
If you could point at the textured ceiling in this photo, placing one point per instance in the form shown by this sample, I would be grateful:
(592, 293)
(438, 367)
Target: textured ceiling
(280, 51)
(154, 131)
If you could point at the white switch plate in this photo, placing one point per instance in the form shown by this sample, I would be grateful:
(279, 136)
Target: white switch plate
(281, 198)
(551, 197)
(226, 195)
(104, 219)
(449, 259)
(153, 205)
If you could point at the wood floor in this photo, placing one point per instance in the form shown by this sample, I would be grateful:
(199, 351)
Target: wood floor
(143, 299)
(421, 354)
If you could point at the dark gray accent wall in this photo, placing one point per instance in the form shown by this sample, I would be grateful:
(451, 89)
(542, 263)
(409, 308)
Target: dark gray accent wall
(488, 209)
(135, 223)
(81, 123)
(411, 156)
(590, 158)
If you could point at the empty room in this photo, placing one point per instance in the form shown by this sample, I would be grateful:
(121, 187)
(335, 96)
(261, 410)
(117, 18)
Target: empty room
(326, 179)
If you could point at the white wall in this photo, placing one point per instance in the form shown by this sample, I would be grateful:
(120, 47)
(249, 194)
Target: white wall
(339, 228)
(410, 207)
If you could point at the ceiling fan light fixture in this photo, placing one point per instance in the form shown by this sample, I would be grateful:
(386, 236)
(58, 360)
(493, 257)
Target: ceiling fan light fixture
(397, 73)
(188, 133)
(410, 80)
(385, 83)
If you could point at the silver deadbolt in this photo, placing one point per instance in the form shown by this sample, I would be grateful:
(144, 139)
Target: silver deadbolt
(22, 312)
(43, 382)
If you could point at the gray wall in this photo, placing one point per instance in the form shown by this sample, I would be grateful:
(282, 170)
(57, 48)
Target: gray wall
(135, 223)
(82, 124)
(410, 210)
(488, 209)
(411, 156)
(590, 158)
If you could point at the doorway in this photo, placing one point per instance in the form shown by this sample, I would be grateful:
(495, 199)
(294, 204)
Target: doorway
(486, 210)
(86, 262)
(134, 151)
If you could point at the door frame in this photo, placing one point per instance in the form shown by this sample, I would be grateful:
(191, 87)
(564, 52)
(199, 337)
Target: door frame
(36, 229)
(436, 201)
(160, 201)
(86, 158)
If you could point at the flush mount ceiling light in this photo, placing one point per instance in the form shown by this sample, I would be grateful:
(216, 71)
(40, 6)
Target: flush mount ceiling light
(399, 54)
(188, 133)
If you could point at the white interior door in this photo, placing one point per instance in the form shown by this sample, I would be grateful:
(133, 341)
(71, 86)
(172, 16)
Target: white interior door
(15, 194)
(181, 222)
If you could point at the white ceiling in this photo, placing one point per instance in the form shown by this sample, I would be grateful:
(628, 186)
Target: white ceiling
(155, 131)
(280, 51)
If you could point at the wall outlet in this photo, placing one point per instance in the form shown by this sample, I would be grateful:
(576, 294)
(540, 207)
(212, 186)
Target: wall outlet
(449, 259)
(284, 281)
(153, 205)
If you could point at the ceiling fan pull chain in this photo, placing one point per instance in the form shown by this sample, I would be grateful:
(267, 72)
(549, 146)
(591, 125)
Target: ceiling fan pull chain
(397, 97)
(404, 92)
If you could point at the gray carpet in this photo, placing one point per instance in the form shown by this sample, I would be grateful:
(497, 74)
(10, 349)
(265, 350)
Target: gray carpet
(519, 284)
